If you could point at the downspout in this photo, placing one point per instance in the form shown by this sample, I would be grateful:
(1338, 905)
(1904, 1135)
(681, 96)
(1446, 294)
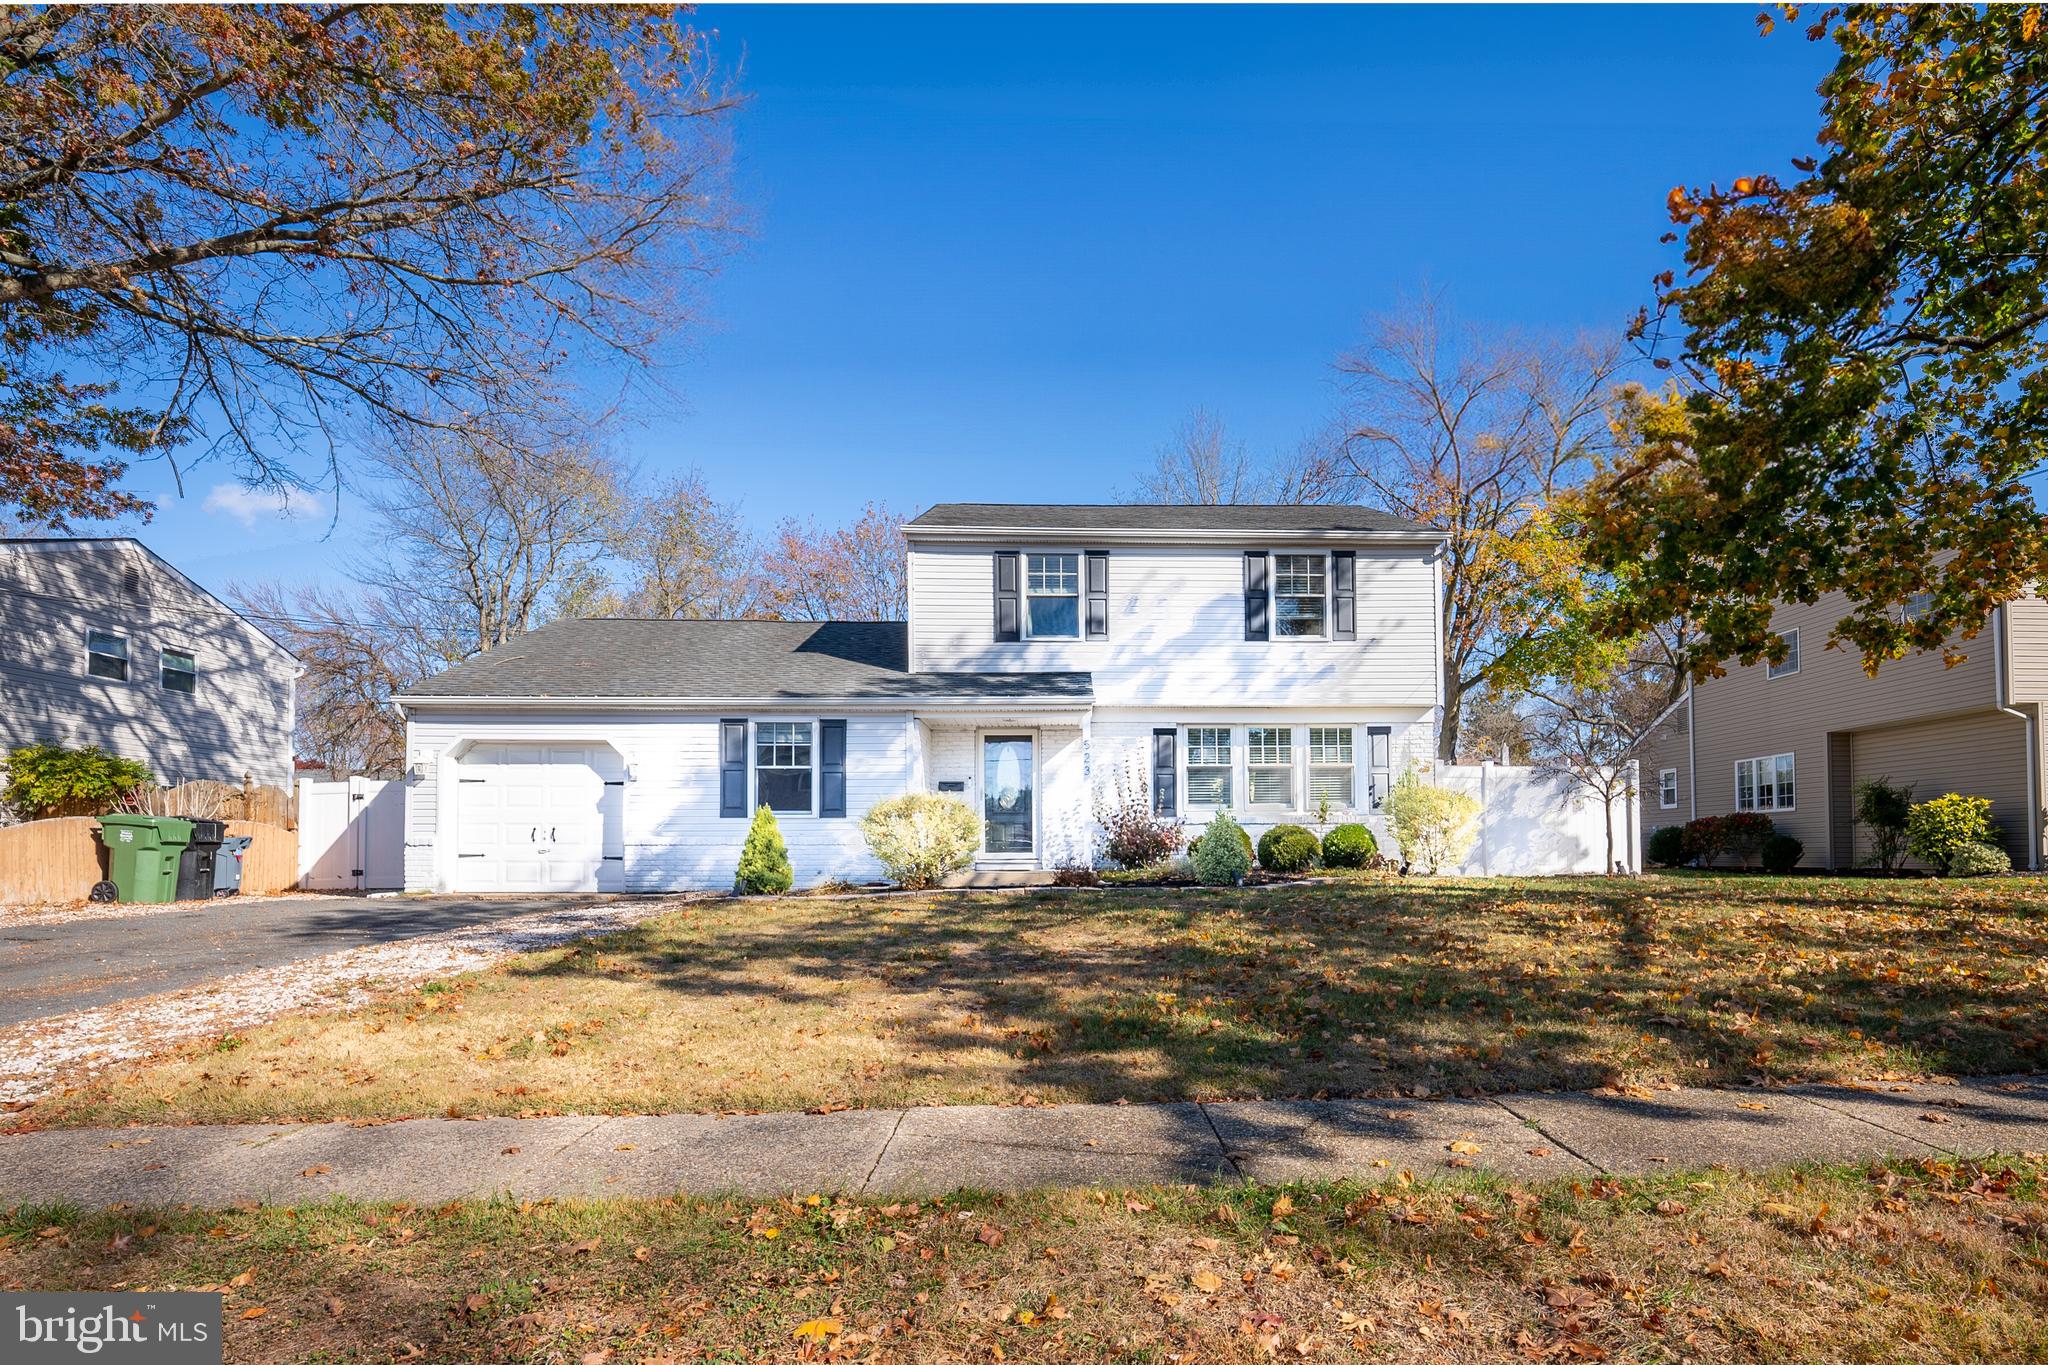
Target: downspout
(1692, 762)
(2004, 702)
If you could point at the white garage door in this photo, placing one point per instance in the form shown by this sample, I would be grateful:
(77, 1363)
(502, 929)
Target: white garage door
(538, 818)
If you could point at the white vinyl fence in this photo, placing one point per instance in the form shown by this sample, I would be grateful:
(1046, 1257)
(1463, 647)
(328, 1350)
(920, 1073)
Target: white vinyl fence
(1539, 824)
(351, 835)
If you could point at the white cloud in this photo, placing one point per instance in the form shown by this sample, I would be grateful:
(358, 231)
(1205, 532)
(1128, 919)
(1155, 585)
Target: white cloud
(252, 505)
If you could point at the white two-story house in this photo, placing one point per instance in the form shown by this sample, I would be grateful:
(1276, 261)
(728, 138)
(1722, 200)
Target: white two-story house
(1263, 660)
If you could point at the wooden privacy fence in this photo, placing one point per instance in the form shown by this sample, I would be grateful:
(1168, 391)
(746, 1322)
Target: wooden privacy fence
(59, 860)
(201, 800)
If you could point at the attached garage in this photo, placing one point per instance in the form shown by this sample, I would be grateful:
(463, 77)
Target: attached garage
(539, 817)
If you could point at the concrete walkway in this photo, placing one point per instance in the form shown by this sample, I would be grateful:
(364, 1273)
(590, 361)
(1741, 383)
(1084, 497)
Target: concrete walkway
(891, 1152)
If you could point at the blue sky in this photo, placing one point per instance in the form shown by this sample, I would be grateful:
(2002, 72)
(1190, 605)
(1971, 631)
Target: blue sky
(998, 253)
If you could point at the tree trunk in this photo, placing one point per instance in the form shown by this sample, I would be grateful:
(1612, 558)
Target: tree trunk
(1447, 734)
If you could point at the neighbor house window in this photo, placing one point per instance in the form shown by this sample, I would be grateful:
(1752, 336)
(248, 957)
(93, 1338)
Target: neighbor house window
(782, 765)
(106, 656)
(1667, 788)
(1329, 765)
(1917, 606)
(1052, 595)
(180, 672)
(1209, 765)
(1790, 664)
(1300, 595)
(1269, 754)
(1764, 783)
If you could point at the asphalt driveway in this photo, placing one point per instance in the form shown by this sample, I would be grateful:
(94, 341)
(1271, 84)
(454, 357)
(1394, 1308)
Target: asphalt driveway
(56, 968)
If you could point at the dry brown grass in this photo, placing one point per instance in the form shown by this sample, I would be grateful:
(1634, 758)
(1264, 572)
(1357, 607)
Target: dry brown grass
(1897, 1262)
(1358, 988)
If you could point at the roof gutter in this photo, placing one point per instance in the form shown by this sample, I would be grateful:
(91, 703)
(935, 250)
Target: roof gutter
(1068, 535)
(946, 703)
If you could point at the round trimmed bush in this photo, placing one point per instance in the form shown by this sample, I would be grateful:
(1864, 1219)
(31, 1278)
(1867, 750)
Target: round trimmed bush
(1349, 846)
(1781, 853)
(1979, 860)
(1223, 854)
(1288, 848)
(1666, 846)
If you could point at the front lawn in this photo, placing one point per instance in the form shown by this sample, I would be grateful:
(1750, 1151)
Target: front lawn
(1891, 1262)
(1359, 987)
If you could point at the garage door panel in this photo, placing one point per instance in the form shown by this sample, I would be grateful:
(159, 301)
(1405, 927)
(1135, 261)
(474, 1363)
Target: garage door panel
(537, 817)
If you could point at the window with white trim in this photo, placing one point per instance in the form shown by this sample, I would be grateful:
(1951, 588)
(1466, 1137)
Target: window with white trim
(782, 765)
(1789, 665)
(1330, 766)
(1764, 783)
(1269, 760)
(180, 672)
(1209, 766)
(1667, 788)
(1916, 606)
(1301, 601)
(1052, 596)
(106, 655)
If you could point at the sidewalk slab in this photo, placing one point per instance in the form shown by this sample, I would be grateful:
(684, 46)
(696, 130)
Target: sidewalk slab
(1742, 1128)
(210, 1166)
(421, 1160)
(701, 1154)
(2007, 1114)
(1274, 1142)
(1010, 1148)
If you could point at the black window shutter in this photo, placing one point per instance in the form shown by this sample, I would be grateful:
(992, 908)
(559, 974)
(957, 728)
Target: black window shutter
(1098, 595)
(1344, 595)
(1256, 596)
(832, 768)
(1165, 793)
(1008, 619)
(732, 769)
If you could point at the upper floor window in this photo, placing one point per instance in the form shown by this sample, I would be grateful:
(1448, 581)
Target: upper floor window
(1052, 596)
(782, 765)
(1300, 595)
(180, 671)
(1667, 788)
(1329, 764)
(1270, 760)
(1790, 663)
(106, 656)
(1764, 783)
(1209, 765)
(1916, 606)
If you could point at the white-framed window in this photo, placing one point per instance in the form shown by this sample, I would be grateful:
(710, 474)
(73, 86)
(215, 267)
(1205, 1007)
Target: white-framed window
(1052, 596)
(1667, 788)
(1331, 767)
(1209, 766)
(180, 672)
(1790, 664)
(1916, 606)
(782, 766)
(1269, 763)
(106, 655)
(1301, 596)
(1764, 783)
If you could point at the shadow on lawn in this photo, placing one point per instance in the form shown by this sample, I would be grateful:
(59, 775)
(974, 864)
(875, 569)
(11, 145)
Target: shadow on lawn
(1356, 988)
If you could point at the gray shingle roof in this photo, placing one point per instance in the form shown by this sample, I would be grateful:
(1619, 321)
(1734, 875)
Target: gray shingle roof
(617, 657)
(1067, 516)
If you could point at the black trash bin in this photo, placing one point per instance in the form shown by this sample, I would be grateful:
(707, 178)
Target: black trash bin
(195, 864)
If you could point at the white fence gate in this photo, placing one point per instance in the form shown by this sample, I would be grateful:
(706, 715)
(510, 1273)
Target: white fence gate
(351, 835)
(1535, 823)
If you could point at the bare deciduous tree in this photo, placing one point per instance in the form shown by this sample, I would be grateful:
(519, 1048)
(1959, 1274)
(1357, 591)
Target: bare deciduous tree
(688, 556)
(856, 572)
(1203, 464)
(1477, 433)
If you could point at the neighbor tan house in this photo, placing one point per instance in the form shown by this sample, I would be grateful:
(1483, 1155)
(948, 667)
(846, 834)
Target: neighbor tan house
(1792, 740)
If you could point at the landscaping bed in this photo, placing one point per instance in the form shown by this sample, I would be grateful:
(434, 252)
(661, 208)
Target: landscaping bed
(1895, 1261)
(1416, 987)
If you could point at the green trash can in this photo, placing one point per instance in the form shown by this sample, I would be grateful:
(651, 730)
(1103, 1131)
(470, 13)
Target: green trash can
(143, 853)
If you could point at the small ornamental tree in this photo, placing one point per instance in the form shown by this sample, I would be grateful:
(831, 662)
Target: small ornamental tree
(764, 858)
(1223, 854)
(1937, 830)
(1883, 809)
(1434, 826)
(921, 838)
(48, 779)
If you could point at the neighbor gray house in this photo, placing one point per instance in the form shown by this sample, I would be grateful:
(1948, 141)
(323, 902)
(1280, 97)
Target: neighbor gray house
(108, 644)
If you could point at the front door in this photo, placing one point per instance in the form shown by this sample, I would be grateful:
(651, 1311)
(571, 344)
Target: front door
(1006, 795)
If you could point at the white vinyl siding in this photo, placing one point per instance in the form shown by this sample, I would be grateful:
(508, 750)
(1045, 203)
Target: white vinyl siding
(1764, 783)
(1269, 759)
(1209, 766)
(1176, 633)
(1331, 770)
